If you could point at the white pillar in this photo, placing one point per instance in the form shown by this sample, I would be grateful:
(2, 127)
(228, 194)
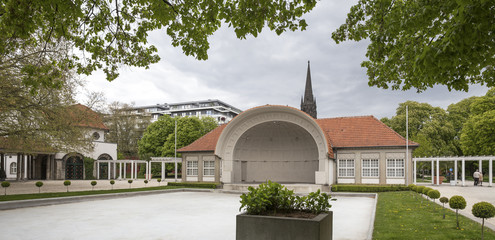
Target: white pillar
(463, 172)
(490, 172)
(132, 169)
(480, 166)
(438, 172)
(455, 172)
(432, 171)
(109, 169)
(97, 170)
(148, 170)
(163, 171)
(414, 173)
(114, 169)
(25, 167)
(120, 171)
(175, 160)
(135, 171)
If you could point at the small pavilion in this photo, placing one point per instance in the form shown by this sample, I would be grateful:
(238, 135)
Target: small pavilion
(134, 167)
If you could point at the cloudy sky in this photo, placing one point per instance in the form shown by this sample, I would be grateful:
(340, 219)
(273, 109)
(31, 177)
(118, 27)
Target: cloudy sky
(269, 69)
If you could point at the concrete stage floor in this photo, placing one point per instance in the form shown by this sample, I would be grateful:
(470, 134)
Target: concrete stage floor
(177, 215)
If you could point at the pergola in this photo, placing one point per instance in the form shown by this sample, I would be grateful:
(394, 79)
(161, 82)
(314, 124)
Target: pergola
(164, 160)
(436, 173)
(134, 168)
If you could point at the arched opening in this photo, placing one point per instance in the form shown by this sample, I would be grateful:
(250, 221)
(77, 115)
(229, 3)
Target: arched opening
(104, 166)
(74, 167)
(278, 151)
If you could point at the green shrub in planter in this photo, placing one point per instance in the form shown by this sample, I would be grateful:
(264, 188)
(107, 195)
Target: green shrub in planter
(5, 185)
(271, 197)
(434, 194)
(67, 184)
(112, 182)
(483, 210)
(39, 185)
(457, 202)
(444, 200)
(145, 182)
(130, 182)
(93, 184)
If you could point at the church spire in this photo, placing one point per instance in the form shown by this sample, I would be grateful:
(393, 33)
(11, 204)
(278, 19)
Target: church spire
(308, 102)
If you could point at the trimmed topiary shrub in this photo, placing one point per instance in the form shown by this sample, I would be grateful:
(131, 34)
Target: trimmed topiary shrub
(39, 185)
(112, 182)
(444, 200)
(159, 180)
(67, 184)
(5, 185)
(412, 187)
(483, 210)
(419, 189)
(434, 194)
(145, 182)
(130, 182)
(93, 184)
(457, 202)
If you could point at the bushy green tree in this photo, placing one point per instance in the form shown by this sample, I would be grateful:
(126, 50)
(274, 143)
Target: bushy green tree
(39, 184)
(67, 184)
(93, 184)
(457, 202)
(483, 210)
(104, 35)
(112, 182)
(5, 185)
(159, 138)
(419, 44)
(434, 194)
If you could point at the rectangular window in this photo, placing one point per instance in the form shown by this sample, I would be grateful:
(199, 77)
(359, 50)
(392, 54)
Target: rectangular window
(346, 167)
(192, 168)
(208, 168)
(395, 168)
(370, 168)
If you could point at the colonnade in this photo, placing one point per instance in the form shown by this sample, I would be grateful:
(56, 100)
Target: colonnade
(435, 171)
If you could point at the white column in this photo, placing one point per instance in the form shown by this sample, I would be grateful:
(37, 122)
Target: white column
(414, 173)
(125, 170)
(455, 172)
(148, 170)
(114, 169)
(163, 171)
(97, 170)
(438, 172)
(25, 167)
(432, 171)
(490, 172)
(480, 165)
(120, 171)
(175, 160)
(109, 169)
(463, 172)
(132, 169)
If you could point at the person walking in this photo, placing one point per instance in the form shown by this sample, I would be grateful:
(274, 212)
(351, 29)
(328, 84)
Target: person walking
(476, 176)
(481, 178)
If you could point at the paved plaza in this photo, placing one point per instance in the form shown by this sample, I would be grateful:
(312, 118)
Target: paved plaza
(179, 215)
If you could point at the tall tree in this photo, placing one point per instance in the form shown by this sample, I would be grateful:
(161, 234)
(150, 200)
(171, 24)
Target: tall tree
(105, 34)
(419, 44)
(478, 133)
(125, 129)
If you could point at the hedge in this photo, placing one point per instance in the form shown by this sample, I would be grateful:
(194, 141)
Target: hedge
(368, 188)
(194, 184)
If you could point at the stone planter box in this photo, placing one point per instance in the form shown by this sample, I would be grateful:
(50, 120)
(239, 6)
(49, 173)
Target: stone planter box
(257, 227)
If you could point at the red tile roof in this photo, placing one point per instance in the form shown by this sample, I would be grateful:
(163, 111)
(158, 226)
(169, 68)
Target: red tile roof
(365, 131)
(206, 143)
(343, 132)
(83, 116)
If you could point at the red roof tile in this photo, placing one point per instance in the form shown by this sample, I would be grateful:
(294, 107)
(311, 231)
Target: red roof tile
(83, 116)
(206, 143)
(344, 132)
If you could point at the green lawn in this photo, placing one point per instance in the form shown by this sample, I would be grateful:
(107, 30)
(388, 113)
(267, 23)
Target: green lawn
(401, 215)
(80, 193)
